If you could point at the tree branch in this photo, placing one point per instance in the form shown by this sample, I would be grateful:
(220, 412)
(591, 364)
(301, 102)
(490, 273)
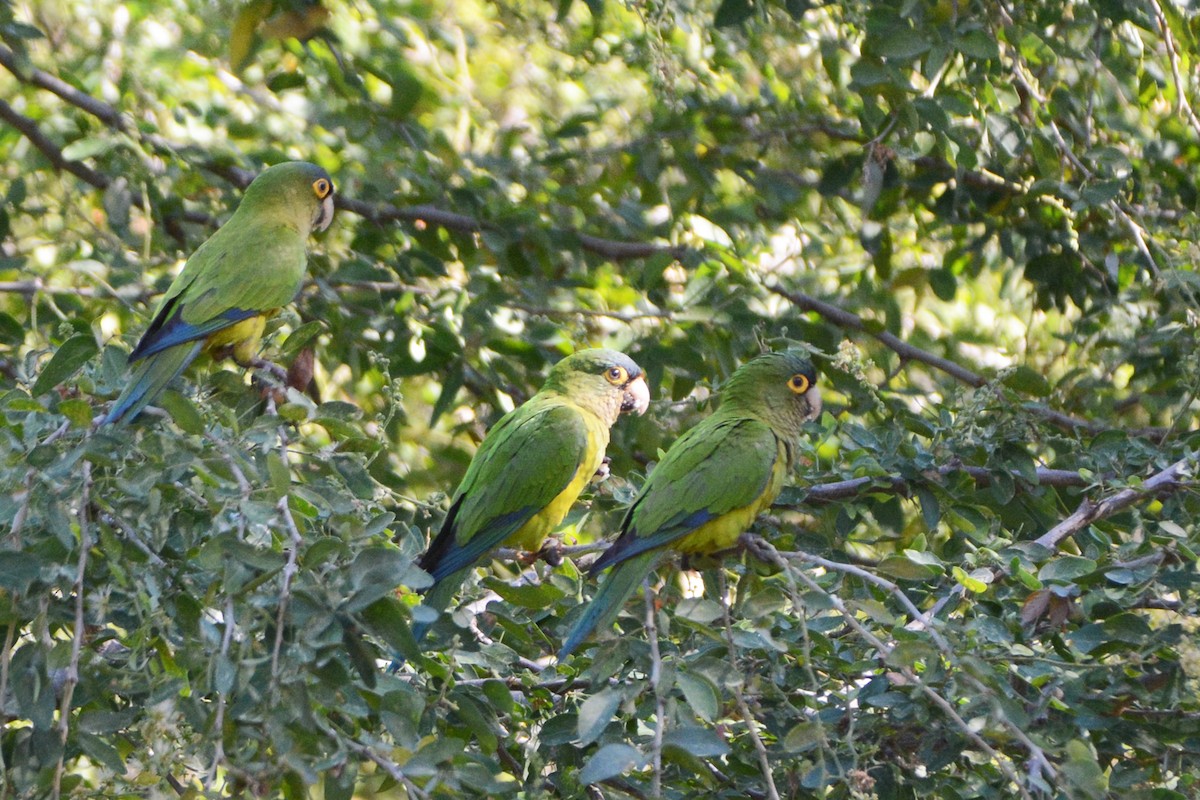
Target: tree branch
(853, 487)
(908, 352)
(613, 249)
(1088, 512)
(49, 149)
(72, 676)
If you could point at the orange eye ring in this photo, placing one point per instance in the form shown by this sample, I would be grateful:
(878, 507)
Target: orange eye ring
(799, 383)
(617, 376)
(322, 187)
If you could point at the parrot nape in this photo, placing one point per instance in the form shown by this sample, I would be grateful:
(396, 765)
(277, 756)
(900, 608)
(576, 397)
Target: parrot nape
(531, 467)
(712, 482)
(234, 282)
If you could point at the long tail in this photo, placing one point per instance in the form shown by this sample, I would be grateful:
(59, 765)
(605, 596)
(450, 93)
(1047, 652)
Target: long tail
(149, 378)
(621, 583)
(438, 598)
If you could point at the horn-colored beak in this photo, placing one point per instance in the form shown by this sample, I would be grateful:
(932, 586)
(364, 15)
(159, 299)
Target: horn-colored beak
(637, 396)
(324, 215)
(813, 398)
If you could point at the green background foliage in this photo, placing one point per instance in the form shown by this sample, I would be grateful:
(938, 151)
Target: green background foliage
(980, 216)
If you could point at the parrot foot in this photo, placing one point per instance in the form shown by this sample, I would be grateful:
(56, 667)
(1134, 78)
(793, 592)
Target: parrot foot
(551, 552)
(604, 471)
(270, 367)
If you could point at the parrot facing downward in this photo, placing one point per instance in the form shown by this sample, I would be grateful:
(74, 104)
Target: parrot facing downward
(712, 482)
(531, 467)
(233, 283)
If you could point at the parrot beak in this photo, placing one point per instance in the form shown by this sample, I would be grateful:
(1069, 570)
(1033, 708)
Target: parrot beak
(813, 398)
(637, 396)
(324, 214)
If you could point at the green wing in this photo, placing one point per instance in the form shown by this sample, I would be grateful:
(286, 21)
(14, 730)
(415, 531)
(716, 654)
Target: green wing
(525, 461)
(243, 270)
(721, 465)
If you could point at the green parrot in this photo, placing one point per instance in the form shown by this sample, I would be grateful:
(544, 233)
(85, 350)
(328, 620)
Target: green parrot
(712, 482)
(531, 467)
(234, 282)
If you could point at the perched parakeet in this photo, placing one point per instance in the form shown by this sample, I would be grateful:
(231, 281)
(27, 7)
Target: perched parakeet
(233, 283)
(712, 482)
(531, 467)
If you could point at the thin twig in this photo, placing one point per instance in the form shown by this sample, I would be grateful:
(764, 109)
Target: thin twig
(760, 749)
(72, 676)
(613, 249)
(219, 716)
(660, 723)
(1088, 511)
(883, 649)
(851, 321)
(285, 591)
(391, 768)
(1184, 105)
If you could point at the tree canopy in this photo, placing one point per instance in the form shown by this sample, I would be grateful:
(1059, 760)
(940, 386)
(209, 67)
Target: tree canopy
(979, 217)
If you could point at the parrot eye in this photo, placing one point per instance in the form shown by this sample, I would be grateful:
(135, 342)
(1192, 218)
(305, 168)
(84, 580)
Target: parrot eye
(798, 383)
(322, 188)
(616, 375)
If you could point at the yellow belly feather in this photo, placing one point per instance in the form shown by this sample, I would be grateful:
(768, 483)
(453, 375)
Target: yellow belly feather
(242, 338)
(722, 533)
(533, 533)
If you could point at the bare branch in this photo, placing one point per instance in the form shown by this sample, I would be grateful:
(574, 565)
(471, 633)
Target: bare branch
(72, 676)
(853, 487)
(44, 80)
(391, 768)
(908, 352)
(767, 552)
(49, 149)
(655, 677)
(760, 749)
(612, 249)
(1088, 511)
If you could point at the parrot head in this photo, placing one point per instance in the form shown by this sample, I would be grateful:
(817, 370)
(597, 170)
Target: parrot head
(297, 188)
(779, 385)
(609, 382)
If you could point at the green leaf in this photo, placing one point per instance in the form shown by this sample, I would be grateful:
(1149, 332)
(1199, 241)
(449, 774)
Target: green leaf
(610, 761)
(595, 714)
(913, 565)
(699, 609)
(536, 595)
(901, 44)
(183, 411)
(87, 147)
(18, 570)
(66, 361)
(699, 742)
(11, 331)
(1066, 569)
(1023, 379)
(978, 44)
(700, 694)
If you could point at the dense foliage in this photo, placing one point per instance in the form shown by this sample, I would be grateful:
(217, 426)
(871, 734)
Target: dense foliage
(980, 216)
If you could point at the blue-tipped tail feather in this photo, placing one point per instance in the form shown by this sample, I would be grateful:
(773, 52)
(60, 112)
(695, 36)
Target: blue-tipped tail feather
(621, 583)
(148, 381)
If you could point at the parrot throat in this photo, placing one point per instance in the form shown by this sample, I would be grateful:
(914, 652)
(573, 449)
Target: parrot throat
(606, 406)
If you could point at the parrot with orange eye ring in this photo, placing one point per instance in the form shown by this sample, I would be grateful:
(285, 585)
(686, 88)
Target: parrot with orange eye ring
(234, 282)
(712, 482)
(532, 466)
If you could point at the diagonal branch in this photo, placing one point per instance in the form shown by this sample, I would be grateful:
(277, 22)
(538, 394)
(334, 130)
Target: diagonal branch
(49, 149)
(908, 352)
(894, 484)
(614, 249)
(1167, 480)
